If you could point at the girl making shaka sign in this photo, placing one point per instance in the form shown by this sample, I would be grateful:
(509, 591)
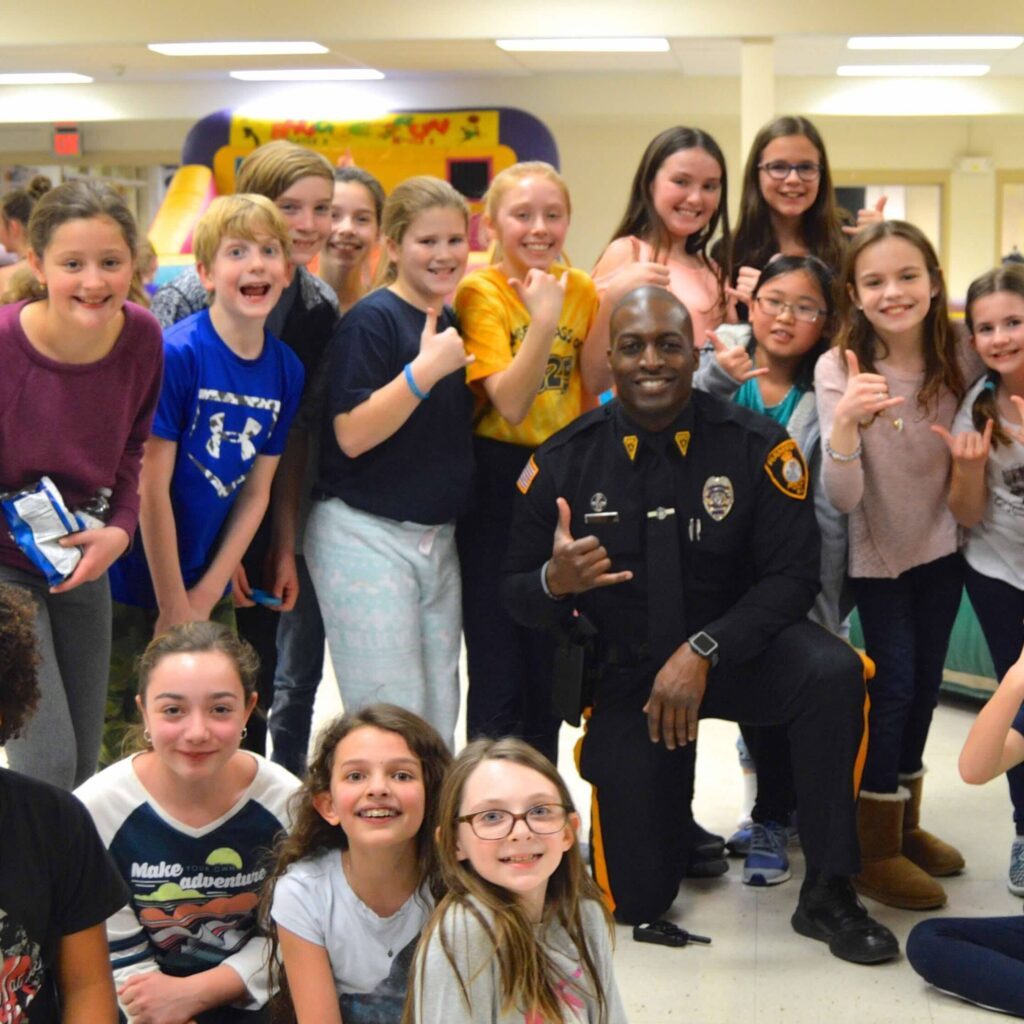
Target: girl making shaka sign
(987, 447)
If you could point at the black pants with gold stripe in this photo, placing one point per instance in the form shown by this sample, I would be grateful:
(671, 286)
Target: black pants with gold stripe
(807, 680)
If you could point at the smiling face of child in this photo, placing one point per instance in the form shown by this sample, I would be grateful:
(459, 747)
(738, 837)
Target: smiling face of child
(522, 862)
(377, 794)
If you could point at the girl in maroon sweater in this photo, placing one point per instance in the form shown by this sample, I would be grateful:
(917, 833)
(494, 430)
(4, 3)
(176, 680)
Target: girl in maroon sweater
(80, 383)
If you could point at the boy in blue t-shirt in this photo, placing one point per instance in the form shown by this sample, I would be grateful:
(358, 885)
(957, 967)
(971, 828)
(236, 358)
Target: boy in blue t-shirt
(230, 392)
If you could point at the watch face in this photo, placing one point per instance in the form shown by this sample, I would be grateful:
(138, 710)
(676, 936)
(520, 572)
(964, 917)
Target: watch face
(704, 645)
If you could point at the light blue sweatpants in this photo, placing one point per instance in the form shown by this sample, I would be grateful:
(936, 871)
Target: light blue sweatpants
(391, 602)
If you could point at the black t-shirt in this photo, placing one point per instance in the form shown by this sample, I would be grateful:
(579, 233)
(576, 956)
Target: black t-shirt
(422, 473)
(56, 879)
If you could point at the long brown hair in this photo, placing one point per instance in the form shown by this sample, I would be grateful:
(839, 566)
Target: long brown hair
(1007, 278)
(941, 366)
(642, 220)
(754, 242)
(528, 977)
(311, 834)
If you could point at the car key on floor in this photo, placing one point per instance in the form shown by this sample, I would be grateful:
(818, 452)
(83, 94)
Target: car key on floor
(665, 933)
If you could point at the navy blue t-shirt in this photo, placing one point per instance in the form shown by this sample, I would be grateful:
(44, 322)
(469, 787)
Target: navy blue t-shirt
(422, 473)
(222, 411)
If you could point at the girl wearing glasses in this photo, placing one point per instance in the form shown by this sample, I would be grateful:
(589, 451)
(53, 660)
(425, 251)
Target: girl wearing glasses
(788, 203)
(357, 877)
(792, 314)
(787, 207)
(522, 933)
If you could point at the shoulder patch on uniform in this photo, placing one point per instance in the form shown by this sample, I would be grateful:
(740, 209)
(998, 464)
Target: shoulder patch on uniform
(787, 469)
(528, 475)
(631, 442)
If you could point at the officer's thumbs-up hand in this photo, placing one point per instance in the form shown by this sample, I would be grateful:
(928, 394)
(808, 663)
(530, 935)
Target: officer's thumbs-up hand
(440, 353)
(578, 565)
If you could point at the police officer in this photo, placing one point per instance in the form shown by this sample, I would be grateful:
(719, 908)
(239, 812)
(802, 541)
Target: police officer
(682, 530)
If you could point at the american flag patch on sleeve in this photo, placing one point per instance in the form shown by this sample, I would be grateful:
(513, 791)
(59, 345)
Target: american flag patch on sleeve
(530, 471)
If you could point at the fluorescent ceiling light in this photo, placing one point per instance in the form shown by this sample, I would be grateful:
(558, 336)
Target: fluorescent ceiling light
(234, 49)
(912, 70)
(640, 44)
(934, 42)
(309, 75)
(44, 78)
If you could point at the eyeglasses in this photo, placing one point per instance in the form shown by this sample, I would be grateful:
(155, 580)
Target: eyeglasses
(774, 307)
(542, 820)
(779, 170)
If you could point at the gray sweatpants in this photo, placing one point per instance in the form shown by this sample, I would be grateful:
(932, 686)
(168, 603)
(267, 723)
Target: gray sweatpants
(391, 602)
(61, 742)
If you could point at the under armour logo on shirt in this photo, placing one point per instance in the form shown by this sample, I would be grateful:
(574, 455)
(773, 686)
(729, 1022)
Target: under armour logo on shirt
(243, 438)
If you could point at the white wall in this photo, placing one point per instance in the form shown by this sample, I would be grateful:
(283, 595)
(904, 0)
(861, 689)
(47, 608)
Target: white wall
(601, 124)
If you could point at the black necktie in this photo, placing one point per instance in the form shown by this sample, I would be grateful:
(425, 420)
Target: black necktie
(666, 622)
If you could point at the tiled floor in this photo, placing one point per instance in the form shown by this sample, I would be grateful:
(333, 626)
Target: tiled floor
(758, 970)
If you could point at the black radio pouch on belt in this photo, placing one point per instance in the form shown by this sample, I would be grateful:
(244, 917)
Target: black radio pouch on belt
(569, 692)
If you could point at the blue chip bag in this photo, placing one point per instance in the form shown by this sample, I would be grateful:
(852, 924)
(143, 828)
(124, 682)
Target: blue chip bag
(38, 518)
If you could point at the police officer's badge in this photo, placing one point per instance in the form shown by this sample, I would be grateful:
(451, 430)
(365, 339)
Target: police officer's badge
(786, 469)
(718, 496)
(598, 502)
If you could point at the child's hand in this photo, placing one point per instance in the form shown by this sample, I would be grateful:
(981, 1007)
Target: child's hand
(100, 549)
(542, 294)
(969, 449)
(186, 610)
(440, 354)
(635, 275)
(157, 998)
(866, 395)
(746, 282)
(240, 590)
(865, 218)
(735, 361)
(279, 567)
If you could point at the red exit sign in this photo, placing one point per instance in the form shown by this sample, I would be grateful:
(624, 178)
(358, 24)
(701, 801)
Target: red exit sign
(67, 140)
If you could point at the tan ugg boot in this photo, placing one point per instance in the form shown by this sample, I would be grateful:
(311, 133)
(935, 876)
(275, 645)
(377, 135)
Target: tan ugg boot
(886, 875)
(928, 852)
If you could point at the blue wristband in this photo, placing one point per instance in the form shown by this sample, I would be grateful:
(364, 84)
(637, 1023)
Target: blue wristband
(413, 386)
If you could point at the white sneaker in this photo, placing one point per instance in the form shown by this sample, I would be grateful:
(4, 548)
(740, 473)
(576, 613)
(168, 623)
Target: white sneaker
(1015, 883)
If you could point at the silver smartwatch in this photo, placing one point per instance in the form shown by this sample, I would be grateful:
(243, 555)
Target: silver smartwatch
(704, 645)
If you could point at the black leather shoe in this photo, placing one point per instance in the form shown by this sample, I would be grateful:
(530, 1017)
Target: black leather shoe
(829, 911)
(705, 853)
(702, 843)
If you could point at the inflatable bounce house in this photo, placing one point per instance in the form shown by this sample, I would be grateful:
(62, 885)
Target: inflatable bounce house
(464, 147)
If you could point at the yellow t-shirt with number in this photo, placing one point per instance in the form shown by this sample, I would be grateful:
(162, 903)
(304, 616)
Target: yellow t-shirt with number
(493, 323)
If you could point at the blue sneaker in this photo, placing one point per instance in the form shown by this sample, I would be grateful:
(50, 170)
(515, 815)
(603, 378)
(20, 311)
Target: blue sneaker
(738, 844)
(767, 862)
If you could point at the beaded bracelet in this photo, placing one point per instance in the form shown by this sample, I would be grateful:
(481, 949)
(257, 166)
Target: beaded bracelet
(852, 457)
(413, 386)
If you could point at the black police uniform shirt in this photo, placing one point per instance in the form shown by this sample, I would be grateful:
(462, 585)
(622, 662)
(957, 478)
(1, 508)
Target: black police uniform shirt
(56, 878)
(748, 539)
